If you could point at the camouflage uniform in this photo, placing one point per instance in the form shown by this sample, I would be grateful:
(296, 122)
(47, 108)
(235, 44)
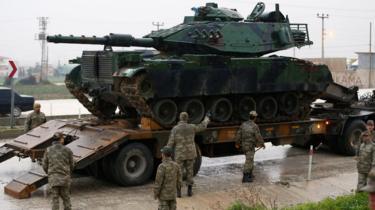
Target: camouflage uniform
(182, 140)
(365, 159)
(58, 164)
(168, 179)
(248, 137)
(34, 119)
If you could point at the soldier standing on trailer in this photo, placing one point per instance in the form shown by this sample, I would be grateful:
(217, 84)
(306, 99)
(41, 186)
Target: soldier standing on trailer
(168, 179)
(182, 141)
(58, 164)
(248, 137)
(35, 118)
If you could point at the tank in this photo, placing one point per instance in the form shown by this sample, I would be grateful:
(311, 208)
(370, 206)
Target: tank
(215, 61)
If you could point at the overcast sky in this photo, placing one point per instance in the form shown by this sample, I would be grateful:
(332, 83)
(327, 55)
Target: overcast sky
(347, 27)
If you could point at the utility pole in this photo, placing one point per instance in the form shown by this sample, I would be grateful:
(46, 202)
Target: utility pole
(370, 59)
(42, 37)
(322, 16)
(157, 24)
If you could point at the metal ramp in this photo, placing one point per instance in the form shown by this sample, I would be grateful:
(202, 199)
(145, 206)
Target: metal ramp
(89, 143)
(23, 186)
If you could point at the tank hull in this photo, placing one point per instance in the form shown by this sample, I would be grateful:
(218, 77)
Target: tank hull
(279, 88)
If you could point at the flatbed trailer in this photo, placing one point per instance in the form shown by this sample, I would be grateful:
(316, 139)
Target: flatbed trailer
(128, 154)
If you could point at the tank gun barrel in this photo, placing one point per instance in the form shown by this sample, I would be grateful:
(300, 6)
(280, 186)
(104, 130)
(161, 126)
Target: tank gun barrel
(115, 40)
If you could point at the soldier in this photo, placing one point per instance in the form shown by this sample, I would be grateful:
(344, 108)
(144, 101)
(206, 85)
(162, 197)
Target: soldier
(248, 137)
(58, 164)
(168, 179)
(182, 141)
(35, 118)
(365, 158)
(370, 128)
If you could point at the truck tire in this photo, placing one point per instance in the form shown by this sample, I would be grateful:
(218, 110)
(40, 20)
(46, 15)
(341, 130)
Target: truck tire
(133, 165)
(17, 112)
(198, 160)
(349, 141)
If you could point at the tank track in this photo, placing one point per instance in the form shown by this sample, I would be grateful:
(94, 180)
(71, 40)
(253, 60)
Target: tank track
(78, 94)
(129, 87)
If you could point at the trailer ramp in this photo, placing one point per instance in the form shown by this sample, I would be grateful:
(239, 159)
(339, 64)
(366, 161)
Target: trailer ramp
(88, 143)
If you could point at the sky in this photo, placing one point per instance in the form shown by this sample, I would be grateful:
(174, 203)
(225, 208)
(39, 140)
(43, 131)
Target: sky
(347, 28)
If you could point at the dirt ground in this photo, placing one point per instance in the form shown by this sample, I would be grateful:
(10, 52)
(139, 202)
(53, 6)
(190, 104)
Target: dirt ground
(280, 181)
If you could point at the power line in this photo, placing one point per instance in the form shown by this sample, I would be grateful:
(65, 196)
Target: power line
(157, 24)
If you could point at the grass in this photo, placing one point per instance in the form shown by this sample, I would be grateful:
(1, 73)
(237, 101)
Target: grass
(357, 201)
(44, 91)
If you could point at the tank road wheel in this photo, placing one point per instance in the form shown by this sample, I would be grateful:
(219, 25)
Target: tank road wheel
(133, 165)
(290, 103)
(165, 111)
(195, 109)
(221, 109)
(267, 107)
(349, 141)
(246, 105)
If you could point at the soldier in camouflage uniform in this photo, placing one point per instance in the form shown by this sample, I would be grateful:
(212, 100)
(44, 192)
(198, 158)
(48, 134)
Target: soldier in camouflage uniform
(58, 164)
(35, 118)
(182, 141)
(168, 179)
(370, 128)
(248, 137)
(365, 158)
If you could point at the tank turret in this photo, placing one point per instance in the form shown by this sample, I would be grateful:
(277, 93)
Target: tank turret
(214, 30)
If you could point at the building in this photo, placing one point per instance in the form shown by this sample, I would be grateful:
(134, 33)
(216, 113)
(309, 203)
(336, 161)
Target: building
(4, 66)
(364, 59)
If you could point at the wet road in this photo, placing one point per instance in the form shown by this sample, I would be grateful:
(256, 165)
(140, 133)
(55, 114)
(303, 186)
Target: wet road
(280, 176)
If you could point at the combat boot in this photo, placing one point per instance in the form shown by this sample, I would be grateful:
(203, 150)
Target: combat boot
(244, 177)
(179, 192)
(250, 177)
(247, 178)
(190, 190)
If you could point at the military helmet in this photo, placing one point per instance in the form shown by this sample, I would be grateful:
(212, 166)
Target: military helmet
(184, 116)
(37, 106)
(253, 113)
(167, 150)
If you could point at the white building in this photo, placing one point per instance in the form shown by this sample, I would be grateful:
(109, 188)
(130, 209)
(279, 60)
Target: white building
(4, 66)
(364, 60)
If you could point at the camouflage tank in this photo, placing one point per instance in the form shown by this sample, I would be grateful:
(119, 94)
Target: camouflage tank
(210, 62)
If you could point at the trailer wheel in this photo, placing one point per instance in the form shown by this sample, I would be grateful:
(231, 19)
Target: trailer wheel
(133, 165)
(349, 141)
(198, 160)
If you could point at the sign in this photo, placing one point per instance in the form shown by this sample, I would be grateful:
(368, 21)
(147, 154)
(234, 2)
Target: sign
(14, 67)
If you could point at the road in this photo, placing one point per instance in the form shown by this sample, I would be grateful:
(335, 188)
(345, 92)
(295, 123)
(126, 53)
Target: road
(280, 180)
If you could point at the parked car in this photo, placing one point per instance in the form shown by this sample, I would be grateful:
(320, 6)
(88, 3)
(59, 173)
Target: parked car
(21, 102)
